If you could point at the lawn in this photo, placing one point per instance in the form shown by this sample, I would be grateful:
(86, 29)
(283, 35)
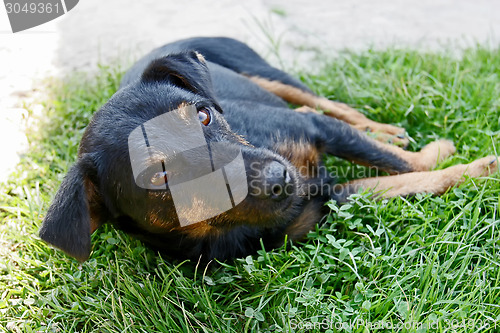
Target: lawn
(398, 265)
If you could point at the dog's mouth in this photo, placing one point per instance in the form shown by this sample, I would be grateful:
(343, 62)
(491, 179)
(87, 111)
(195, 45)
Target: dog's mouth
(275, 192)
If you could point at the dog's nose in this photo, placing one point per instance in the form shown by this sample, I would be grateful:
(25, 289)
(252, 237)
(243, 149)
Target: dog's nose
(276, 181)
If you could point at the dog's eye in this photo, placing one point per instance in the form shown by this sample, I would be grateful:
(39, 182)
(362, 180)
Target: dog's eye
(204, 116)
(159, 178)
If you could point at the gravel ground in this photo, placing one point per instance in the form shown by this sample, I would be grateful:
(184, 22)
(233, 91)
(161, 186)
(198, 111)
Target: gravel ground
(299, 31)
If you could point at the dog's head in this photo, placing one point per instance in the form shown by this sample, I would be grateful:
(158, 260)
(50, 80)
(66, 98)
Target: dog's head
(160, 157)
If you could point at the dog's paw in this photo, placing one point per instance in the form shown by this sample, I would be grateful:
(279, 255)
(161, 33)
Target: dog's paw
(482, 167)
(385, 133)
(399, 140)
(432, 154)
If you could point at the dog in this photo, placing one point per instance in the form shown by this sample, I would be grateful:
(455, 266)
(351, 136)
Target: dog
(243, 103)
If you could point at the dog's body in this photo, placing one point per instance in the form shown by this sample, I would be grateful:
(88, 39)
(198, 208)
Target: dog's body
(242, 102)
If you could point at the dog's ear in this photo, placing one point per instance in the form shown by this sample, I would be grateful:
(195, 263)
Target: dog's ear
(187, 70)
(75, 212)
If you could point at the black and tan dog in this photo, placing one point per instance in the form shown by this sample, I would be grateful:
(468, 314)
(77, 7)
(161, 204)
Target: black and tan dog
(243, 102)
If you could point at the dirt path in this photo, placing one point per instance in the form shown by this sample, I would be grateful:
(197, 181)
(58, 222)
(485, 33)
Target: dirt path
(102, 31)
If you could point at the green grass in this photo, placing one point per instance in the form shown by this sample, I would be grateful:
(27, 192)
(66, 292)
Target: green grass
(425, 260)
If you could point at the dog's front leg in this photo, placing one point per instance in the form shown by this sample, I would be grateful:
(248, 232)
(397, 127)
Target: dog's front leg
(339, 139)
(434, 182)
